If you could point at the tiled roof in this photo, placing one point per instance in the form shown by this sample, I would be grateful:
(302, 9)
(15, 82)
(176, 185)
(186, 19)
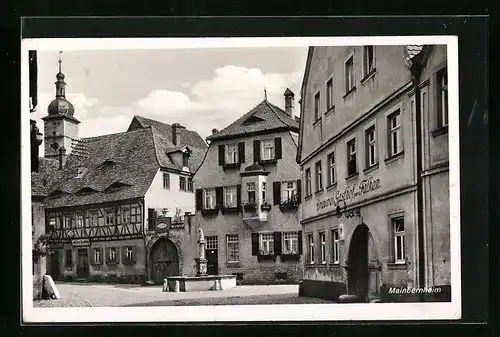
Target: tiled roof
(188, 137)
(127, 157)
(273, 118)
(117, 166)
(411, 51)
(42, 180)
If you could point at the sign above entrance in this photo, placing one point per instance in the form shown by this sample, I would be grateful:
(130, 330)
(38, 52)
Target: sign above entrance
(349, 193)
(80, 242)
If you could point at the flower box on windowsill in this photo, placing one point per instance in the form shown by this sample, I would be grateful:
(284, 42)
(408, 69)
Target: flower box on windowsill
(128, 262)
(290, 257)
(250, 207)
(266, 257)
(210, 211)
(289, 205)
(265, 207)
(229, 166)
(112, 263)
(234, 209)
(268, 161)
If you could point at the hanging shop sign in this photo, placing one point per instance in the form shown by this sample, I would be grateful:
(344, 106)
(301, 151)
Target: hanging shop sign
(80, 242)
(349, 193)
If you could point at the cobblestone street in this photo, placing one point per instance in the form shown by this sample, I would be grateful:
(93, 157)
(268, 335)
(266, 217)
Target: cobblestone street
(106, 295)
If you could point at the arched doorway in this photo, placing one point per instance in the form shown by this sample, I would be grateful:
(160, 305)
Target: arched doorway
(164, 260)
(357, 273)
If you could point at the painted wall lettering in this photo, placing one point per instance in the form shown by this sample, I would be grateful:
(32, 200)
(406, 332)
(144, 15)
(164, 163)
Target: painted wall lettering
(349, 193)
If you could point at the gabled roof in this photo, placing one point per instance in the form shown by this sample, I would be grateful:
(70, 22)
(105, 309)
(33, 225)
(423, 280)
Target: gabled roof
(137, 171)
(41, 180)
(272, 116)
(188, 137)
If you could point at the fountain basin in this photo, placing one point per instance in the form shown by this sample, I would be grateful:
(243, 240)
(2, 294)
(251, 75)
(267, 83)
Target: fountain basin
(202, 282)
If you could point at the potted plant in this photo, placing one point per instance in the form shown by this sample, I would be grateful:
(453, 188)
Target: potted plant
(250, 207)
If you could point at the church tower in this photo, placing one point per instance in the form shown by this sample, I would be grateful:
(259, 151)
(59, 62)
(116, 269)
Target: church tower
(61, 127)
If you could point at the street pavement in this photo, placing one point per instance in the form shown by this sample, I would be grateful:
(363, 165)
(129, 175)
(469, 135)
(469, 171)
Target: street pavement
(113, 295)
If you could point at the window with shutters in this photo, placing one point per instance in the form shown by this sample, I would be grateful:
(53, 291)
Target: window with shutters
(290, 243)
(308, 182)
(112, 254)
(125, 212)
(322, 242)
(349, 75)
(79, 220)
(398, 227)
(368, 60)
(319, 177)
(135, 213)
(268, 149)
(266, 244)
(129, 253)
(332, 177)
(190, 185)
(110, 217)
(182, 183)
(371, 147)
(69, 258)
(310, 248)
(289, 191)
(209, 200)
(351, 158)
(212, 242)
(230, 200)
(97, 256)
(442, 96)
(394, 131)
(233, 253)
(231, 153)
(251, 192)
(335, 246)
(166, 181)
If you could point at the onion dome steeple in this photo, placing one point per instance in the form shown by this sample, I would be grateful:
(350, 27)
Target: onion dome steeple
(60, 105)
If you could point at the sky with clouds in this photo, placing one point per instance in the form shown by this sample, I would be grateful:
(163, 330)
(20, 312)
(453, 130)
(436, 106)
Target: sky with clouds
(200, 88)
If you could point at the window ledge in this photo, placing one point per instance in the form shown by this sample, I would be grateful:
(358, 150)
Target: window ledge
(229, 166)
(330, 110)
(210, 211)
(231, 209)
(352, 176)
(368, 76)
(310, 265)
(268, 161)
(112, 263)
(439, 131)
(321, 265)
(232, 264)
(347, 94)
(319, 191)
(266, 257)
(317, 121)
(335, 265)
(394, 265)
(290, 257)
(307, 197)
(331, 186)
(394, 157)
(371, 168)
(128, 263)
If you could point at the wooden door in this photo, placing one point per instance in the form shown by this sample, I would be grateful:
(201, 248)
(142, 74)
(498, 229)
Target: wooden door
(82, 263)
(55, 272)
(212, 261)
(165, 260)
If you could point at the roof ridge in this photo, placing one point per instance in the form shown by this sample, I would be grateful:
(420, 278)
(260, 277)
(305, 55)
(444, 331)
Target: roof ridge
(277, 115)
(116, 133)
(153, 130)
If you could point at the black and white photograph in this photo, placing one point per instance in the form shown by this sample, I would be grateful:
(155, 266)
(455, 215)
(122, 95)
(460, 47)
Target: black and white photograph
(272, 179)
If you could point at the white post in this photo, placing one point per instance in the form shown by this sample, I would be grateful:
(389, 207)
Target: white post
(176, 287)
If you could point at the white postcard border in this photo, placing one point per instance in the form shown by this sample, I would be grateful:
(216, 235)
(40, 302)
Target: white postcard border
(297, 312)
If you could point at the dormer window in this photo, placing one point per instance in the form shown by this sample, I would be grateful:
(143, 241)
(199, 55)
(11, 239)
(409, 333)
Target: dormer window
(231, 153)
(185, 159)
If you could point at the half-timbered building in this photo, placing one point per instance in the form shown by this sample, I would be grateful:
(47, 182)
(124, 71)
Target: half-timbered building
(248, 194)
(120, 205)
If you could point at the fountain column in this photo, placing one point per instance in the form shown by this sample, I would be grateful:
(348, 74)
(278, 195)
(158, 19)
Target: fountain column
(201, 261)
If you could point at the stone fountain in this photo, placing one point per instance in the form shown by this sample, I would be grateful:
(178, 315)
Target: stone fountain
(201, 281)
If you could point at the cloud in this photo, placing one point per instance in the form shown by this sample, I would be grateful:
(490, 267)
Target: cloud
(206, 104)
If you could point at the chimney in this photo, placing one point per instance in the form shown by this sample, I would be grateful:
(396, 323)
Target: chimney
(289, 102)
(214, 131)
(62, 157)
(176, 133)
